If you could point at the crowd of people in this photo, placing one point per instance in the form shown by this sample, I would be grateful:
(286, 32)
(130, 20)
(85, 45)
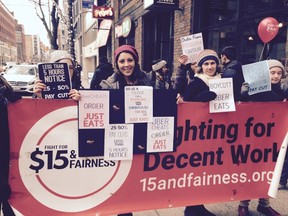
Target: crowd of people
(191, 84)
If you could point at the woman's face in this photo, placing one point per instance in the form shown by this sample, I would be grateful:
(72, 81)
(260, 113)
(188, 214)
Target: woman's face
(275, 75)
(70, 66)
(209, 67)
(126, 64)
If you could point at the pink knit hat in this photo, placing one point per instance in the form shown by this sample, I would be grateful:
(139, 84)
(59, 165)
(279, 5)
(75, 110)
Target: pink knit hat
(126, 48)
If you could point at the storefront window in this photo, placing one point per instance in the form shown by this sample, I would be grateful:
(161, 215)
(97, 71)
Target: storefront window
(235, 22)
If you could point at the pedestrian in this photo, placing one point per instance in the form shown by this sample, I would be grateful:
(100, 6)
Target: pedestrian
(208, 68)
(198, 90)
(232, 68)
(162, 78)
(102, 72)
(62, 57)
(128, 72)
(276, 69)
(152, 75)
(7, 95)
(184, 75)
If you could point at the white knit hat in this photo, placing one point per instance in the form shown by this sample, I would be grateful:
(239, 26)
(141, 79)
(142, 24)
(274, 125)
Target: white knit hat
(159, 65)
(58, 55)
(275, 63)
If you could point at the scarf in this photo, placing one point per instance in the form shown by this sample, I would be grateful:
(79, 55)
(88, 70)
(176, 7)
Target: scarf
(205, 78)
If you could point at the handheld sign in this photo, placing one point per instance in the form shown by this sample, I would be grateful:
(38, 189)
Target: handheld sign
(224, 102)
(56, 77)
(192, 45)
(258, 76)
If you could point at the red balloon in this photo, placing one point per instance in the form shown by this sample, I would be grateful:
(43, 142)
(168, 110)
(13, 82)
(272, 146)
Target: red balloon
(267, 29)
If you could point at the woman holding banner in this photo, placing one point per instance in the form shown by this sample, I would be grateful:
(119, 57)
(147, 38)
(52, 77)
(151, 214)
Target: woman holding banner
(277, 71)
(208, 68)
(198, 91)
(62, 56)
(128, 73)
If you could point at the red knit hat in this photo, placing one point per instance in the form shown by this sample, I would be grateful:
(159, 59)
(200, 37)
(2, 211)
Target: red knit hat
(126, 48)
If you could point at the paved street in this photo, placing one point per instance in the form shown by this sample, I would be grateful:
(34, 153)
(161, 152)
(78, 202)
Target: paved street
(226, 209)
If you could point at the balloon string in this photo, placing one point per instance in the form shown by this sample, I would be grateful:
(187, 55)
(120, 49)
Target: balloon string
(261, 56)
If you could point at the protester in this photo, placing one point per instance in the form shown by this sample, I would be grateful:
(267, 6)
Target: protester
(62, 57)
(102, 72)
(158, 76)
(127, 73)
(198, 89)
(7, 95)
(232, 68)
(184, 75)
(162, 78)
(276, 94)
(128, 70)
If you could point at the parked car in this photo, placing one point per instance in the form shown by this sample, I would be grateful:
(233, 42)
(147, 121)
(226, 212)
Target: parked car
(22, 77)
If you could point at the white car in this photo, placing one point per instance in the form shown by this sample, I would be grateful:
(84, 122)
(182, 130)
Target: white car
(22, 77)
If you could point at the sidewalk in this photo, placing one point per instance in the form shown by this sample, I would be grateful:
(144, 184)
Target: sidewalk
(226, 209)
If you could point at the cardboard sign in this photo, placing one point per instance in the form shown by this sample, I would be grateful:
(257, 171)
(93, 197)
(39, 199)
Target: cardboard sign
(56, 77)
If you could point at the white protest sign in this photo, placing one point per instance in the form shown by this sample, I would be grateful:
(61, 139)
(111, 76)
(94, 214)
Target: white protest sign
(192, 45)
(160, 134)
(118, 144)
(224, 102)
(138, 104)
(258, 76)
(93, 109)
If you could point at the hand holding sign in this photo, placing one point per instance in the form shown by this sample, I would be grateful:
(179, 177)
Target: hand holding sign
(56, 82)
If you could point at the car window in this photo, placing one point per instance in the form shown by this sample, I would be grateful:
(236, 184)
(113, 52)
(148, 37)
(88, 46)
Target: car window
(21, 70)
(31, 71)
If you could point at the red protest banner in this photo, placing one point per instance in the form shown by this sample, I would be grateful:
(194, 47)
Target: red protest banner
(232, 154)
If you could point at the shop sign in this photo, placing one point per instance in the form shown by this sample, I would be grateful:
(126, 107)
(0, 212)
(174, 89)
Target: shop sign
(164, 4)
(124, 29)
(100, 12)
(103, 33)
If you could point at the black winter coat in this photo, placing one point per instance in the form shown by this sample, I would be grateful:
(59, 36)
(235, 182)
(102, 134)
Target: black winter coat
(198, 91)
(276, 94)
(102, 72)
(233, 69)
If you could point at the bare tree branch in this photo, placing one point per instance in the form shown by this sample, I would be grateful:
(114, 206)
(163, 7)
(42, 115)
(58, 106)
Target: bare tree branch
(52, 33)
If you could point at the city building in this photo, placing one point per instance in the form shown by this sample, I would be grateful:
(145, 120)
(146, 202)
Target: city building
(8, 51)
(33, 49)
(155, 29)
(20, 43)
